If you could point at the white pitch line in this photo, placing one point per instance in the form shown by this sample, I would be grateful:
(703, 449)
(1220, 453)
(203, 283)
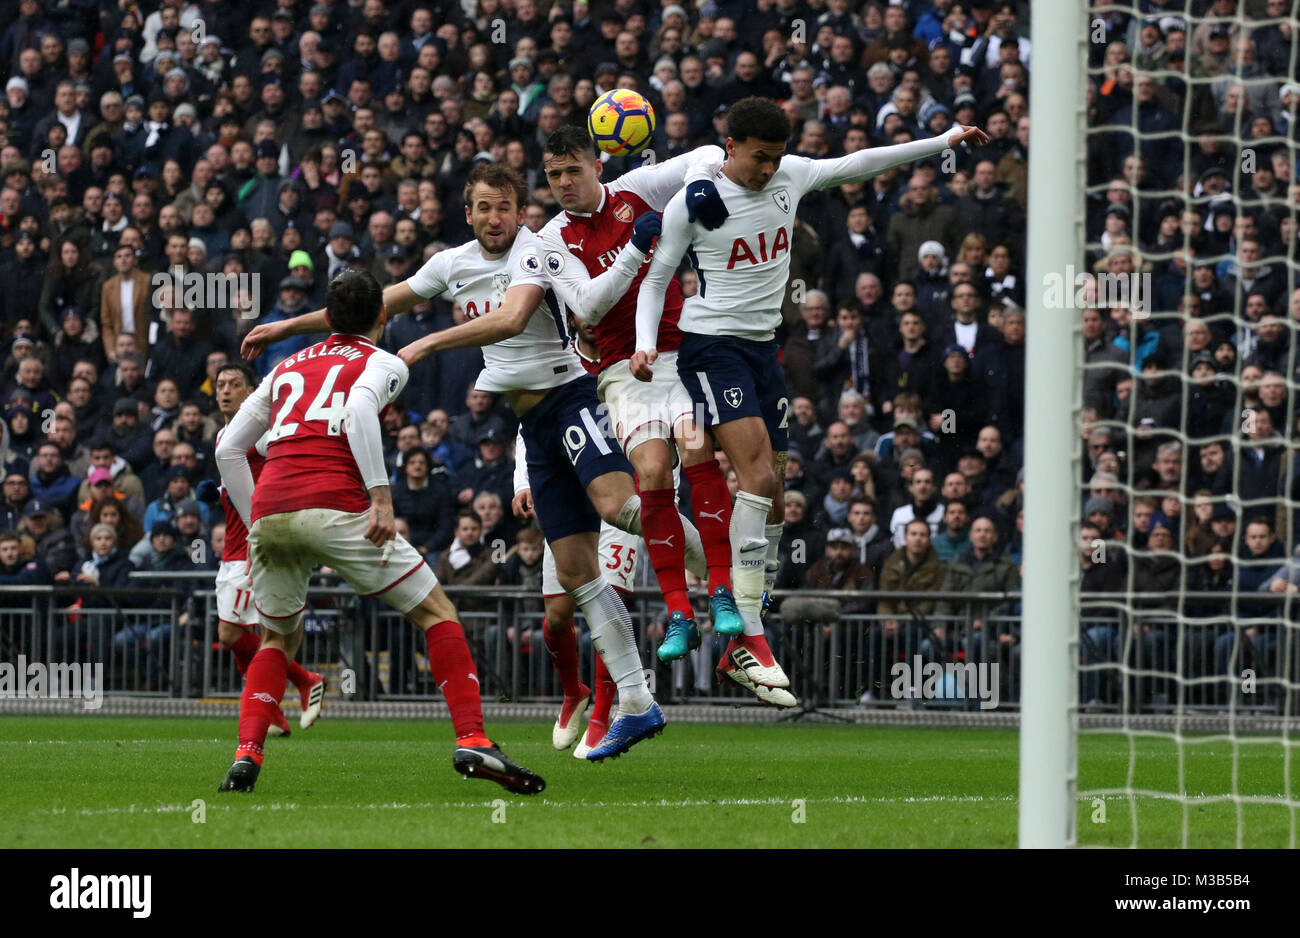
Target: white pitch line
(584, 805)
(543, 802)
(102, 742)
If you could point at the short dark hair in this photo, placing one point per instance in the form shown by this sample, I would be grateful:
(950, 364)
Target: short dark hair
(7, 536)
(760, 118)
(570, 140)
(469, 513)
(353, 301)
(250, 376)
(497, 176)
(862, 500)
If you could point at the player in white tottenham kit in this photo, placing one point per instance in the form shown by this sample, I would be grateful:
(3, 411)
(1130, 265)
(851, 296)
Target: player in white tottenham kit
(576, 467)
(728, 357)
(236, 616)
(323, 498)
(617, 560)
(618, 556)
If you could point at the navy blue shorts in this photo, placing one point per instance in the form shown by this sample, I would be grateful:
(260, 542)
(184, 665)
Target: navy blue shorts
(730, 378)
(569, 444)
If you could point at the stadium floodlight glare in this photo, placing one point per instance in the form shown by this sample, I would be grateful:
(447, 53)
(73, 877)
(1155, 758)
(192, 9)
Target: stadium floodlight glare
(1048, 734)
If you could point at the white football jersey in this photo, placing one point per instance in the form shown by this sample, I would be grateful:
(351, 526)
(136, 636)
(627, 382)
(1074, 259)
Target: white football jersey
(743, 266)
(539, 357)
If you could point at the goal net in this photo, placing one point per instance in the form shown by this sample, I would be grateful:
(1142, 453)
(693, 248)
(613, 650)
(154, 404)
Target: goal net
(1185, 306)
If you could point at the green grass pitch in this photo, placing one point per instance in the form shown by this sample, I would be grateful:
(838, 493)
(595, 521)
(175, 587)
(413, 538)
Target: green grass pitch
(76, 782)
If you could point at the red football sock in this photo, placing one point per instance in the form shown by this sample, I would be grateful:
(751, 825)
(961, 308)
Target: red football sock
(757, 646)
(562, 646)
(299, 676)
(711, 503)
(263, 688)
(453, 671)
(603, 699)
(245, 647)
(661, 526)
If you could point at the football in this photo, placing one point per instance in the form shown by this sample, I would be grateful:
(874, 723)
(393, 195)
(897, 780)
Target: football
(621, 122)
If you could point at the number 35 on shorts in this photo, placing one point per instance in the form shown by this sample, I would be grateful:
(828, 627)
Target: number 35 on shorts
(577, 436)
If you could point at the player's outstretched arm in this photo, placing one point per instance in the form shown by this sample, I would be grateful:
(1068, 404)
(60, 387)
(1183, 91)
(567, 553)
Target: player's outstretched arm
(658, 183)
(506, 321)
(588, 297)
(855, 167)
(398, 298)
(263, 334)
(674, 239)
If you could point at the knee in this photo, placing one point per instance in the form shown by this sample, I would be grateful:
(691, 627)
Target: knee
(694, 445)
(434, 608)
(228, 633)
(693, 438)
(274, 639)
(559, 617)
(654, 466)
(575, 571)
(608, 512)
(291, 643)
(573, 579)
(759, 480)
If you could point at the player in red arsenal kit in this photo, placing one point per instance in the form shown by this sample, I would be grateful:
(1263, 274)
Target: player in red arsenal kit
(236, 617)
(323, 498)
(581, 243)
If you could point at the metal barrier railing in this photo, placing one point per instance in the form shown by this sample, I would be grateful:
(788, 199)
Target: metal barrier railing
(162, 640)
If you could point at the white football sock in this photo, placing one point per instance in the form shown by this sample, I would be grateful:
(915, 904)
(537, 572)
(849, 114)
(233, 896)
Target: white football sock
(611, 635)
(749, 556)
(629, 516)
(694, 550)
(772, 566)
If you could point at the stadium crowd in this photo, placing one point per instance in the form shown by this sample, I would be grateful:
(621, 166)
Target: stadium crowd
(283, 144)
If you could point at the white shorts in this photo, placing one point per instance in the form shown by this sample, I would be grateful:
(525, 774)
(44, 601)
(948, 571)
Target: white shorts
(235, 593)
(285, 547)
(617, 557)
(640, 410)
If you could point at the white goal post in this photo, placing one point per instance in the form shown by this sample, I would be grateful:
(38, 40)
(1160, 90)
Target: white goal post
(1055, 238)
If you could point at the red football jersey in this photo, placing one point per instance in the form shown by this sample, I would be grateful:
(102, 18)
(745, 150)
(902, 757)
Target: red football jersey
(236, 534)
(595, 240)
(309, 462)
